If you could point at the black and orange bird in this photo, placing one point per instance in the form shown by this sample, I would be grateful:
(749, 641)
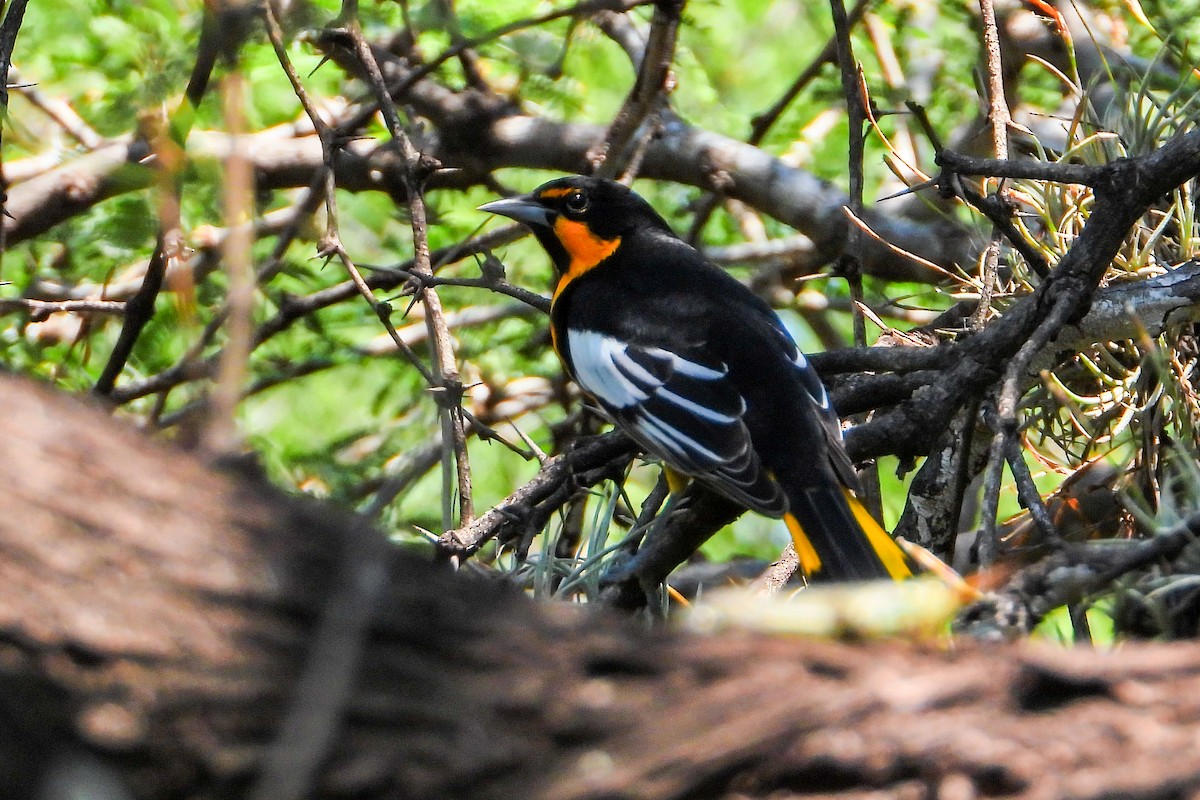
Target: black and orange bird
(699, 371)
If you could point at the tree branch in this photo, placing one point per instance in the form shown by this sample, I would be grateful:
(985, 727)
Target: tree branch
(648, 95)
(1126, 191)
(168, 661)
(1072, 574)
(554, 484)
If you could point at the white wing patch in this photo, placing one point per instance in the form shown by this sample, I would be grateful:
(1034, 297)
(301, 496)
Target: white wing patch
(697, 409)
(812, 382)
(689, 368)
(595, 357)
(604, 367)
(687, 448)
(687, 413)
(814, 387)
(808, 377)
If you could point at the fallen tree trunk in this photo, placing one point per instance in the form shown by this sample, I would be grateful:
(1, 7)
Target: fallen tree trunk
(167, 630)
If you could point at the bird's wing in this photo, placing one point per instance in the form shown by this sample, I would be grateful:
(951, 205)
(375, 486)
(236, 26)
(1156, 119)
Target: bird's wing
(686, 412)
(831, 423)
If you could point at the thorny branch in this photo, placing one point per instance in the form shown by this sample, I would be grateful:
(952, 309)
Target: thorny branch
(220, 436)
(138, 311)
(415, 171)
(1070, 575)
(41, 309)
(1005, 422)
(761, 124)
(331, 244)
(999, 120)
(447, 385)
(9, 28)
(850, 264)
(646, 99)
(533, 503)
(1130, 186)
(294, 309)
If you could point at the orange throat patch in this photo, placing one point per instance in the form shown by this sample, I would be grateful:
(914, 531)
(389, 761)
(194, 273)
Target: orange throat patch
(585, 248)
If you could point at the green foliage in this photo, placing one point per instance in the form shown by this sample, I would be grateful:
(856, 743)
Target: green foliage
(332, 411)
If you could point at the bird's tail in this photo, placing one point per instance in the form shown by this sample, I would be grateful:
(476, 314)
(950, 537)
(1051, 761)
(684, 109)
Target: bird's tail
(838, 540)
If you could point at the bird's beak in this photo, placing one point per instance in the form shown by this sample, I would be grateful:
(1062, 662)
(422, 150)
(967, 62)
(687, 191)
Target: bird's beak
(522, 209)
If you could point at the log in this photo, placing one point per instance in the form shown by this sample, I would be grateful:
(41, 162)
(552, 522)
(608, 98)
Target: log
(173, 630)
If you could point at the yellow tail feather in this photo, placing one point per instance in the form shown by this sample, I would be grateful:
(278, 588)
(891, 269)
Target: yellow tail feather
(676, 481)
(884, 545)
(810, 562)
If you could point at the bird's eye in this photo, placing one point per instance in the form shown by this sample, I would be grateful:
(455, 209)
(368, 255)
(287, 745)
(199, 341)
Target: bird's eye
(576, 202)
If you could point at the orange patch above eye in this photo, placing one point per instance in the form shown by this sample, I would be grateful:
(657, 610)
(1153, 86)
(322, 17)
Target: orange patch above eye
(559, 192)
(585, 248)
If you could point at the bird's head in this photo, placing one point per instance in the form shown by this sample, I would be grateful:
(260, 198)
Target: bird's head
(579, 221)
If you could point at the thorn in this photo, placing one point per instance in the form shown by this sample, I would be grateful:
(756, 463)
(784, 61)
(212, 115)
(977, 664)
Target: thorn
(321, 63)
(492, 269)
(929, 184)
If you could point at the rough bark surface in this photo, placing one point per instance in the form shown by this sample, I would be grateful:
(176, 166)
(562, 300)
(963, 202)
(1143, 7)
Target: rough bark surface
(155, 616)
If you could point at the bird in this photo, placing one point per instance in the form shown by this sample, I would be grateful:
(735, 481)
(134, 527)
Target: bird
(699, 371)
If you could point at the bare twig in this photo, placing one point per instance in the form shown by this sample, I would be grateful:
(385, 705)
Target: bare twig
(417, 463)
(1093, 175)
(1069, 576)
(998, 211)
(1027, 492)
(292, 309)
(620, 28)
(447, 386)
(761, 124)
(189, 367)
(557, 480)
(1005, 429)
(582, 9)
(40, 309)
(499, 286)
(876, 359)
(220, 436)
(9, 28)
(856, 100)
(410, 334)
(466, 57)
(999, 119)
(648, 95)
(207, 49)
(444, 377)
(850, 262)
(331, 244)
(60, 112)
(138, 312)
(994, 474)
(1014, 382)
